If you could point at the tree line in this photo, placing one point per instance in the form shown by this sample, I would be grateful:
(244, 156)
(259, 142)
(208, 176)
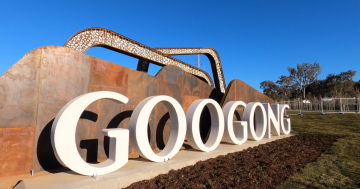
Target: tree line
(303, 83)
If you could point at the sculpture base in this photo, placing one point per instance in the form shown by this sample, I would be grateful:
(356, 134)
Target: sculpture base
(136, 169)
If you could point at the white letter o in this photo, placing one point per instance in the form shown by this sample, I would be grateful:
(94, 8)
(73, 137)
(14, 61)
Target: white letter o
(139, 122)
(193, 119)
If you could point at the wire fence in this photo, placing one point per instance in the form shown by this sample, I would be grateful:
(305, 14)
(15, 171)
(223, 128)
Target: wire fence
(323, 105)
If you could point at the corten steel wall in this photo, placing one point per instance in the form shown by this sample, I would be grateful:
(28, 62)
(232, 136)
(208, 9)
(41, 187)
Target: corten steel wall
(34, 90)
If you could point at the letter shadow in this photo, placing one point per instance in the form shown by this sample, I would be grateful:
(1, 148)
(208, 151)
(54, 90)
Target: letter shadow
(114, 123)
(216, 95)
(45, 152)
(205, 124)
(204, 127)
(160, 131)
(91, 146)
(237, 115)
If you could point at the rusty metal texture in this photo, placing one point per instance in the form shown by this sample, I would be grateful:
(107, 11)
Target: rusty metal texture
(19, 92)
(34, 90)
(240, 91)
(16, 146)
(92, 37)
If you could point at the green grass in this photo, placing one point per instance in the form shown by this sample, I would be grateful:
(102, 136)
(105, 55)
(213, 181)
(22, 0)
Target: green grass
(338, 167)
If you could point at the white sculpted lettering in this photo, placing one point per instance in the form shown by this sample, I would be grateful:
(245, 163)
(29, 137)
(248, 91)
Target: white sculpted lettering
(285, 122)
(193, 120)
(138, 128)
(269, 121)
(255, 110)
(63, 137)
(273, 120)
(241, 135)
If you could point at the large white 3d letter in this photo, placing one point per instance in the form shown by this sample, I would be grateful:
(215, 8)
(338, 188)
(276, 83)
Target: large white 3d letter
(193, 119)
(285, 122)
(241, 126)
(139, 122)
(63, 137)
(255, 109)
(273, 120)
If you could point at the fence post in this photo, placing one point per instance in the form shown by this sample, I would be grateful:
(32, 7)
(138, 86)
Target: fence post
(341, 110)
(357, 105)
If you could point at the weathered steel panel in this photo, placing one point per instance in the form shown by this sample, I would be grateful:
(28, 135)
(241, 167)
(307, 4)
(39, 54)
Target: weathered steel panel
(64, 75)
(108, 74)
(188, 100)
(172, 74)
(140, 86)
(19, 92)
(239, 91)
(191, 85)
(18, 113)
(16, 146)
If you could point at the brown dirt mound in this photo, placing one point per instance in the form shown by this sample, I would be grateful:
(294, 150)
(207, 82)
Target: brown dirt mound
(264, 166)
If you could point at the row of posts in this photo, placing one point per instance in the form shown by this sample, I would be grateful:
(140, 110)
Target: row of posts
(341, 107)
(357, 107)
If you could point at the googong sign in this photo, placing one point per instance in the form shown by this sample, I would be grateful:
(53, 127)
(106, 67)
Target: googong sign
(268, 120)
(27, 115)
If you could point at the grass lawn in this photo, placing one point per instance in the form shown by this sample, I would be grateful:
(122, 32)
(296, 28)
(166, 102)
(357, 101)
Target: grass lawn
(338, 167)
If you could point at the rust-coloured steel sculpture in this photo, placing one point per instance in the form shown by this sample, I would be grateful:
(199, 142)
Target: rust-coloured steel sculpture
(33, 91)
(210, 53)
(91, 37)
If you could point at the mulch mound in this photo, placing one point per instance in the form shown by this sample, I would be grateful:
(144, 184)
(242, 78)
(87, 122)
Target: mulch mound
(264, 166)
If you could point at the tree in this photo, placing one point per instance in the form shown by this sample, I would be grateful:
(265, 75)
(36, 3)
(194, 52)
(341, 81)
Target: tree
(317, 89)
(348, 83)
(341, 85)
(285, 86)
(270, 89)
(304, 74)
(357, 88)
(303, 79)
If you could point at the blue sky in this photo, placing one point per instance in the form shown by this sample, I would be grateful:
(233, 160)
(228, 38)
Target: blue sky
(256, 40)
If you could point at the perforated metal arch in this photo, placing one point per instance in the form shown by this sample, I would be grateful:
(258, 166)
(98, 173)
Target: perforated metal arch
(91, 37)
(210, 53)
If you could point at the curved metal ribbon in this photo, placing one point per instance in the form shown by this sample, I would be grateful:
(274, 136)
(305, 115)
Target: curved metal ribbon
(210, 53)
(91, 37)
